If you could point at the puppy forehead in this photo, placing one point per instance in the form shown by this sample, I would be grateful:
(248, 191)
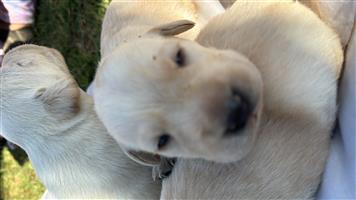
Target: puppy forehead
(27, 49)
(138, 58)
(33, 56)
(30, 66)
(26, 70)
(145, 48)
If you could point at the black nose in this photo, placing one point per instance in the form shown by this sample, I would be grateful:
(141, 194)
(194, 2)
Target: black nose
(239, 111)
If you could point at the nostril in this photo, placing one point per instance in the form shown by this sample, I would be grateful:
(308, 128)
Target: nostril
(234, 102)
(239, 111)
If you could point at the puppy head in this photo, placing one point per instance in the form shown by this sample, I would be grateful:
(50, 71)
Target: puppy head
(175, 98)
(38, 94)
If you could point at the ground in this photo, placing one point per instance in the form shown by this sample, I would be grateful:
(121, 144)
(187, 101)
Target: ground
(73, 28)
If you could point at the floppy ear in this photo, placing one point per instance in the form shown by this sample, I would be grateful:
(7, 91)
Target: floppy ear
(143, 158)
(60, 99)
(173, 28)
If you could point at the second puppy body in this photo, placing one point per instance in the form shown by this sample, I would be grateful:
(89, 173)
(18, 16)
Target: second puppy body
(53, 120)
(300, 59)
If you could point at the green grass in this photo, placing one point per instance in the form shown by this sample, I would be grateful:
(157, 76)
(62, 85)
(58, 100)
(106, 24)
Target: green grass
(18, 180)
(73, 28)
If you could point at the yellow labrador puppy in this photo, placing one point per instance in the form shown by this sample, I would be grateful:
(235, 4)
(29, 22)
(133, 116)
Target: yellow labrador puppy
(300, 59)
(53, 120)
(166, 95)
(127, 20)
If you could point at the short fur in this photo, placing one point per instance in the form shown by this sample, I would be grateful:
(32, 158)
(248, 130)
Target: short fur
(300, 59)
(53, 120)
(127, 20)
(141, 92)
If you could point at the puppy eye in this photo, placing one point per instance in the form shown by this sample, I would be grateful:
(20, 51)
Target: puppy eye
(180, 58)
(163, 140)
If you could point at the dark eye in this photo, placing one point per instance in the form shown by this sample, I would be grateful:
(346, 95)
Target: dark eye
(180, 58)
(163, 140)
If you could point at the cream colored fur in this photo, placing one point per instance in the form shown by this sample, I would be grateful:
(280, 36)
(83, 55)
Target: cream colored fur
(53, 120)
(339, 15)
(141, 92)
(127, 20)
(300, 59)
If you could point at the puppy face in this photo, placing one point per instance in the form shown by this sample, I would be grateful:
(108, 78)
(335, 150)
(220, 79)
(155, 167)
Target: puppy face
(176, 98)
(38, 94)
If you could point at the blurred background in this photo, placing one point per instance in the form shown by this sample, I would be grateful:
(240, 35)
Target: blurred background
(72, 27)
